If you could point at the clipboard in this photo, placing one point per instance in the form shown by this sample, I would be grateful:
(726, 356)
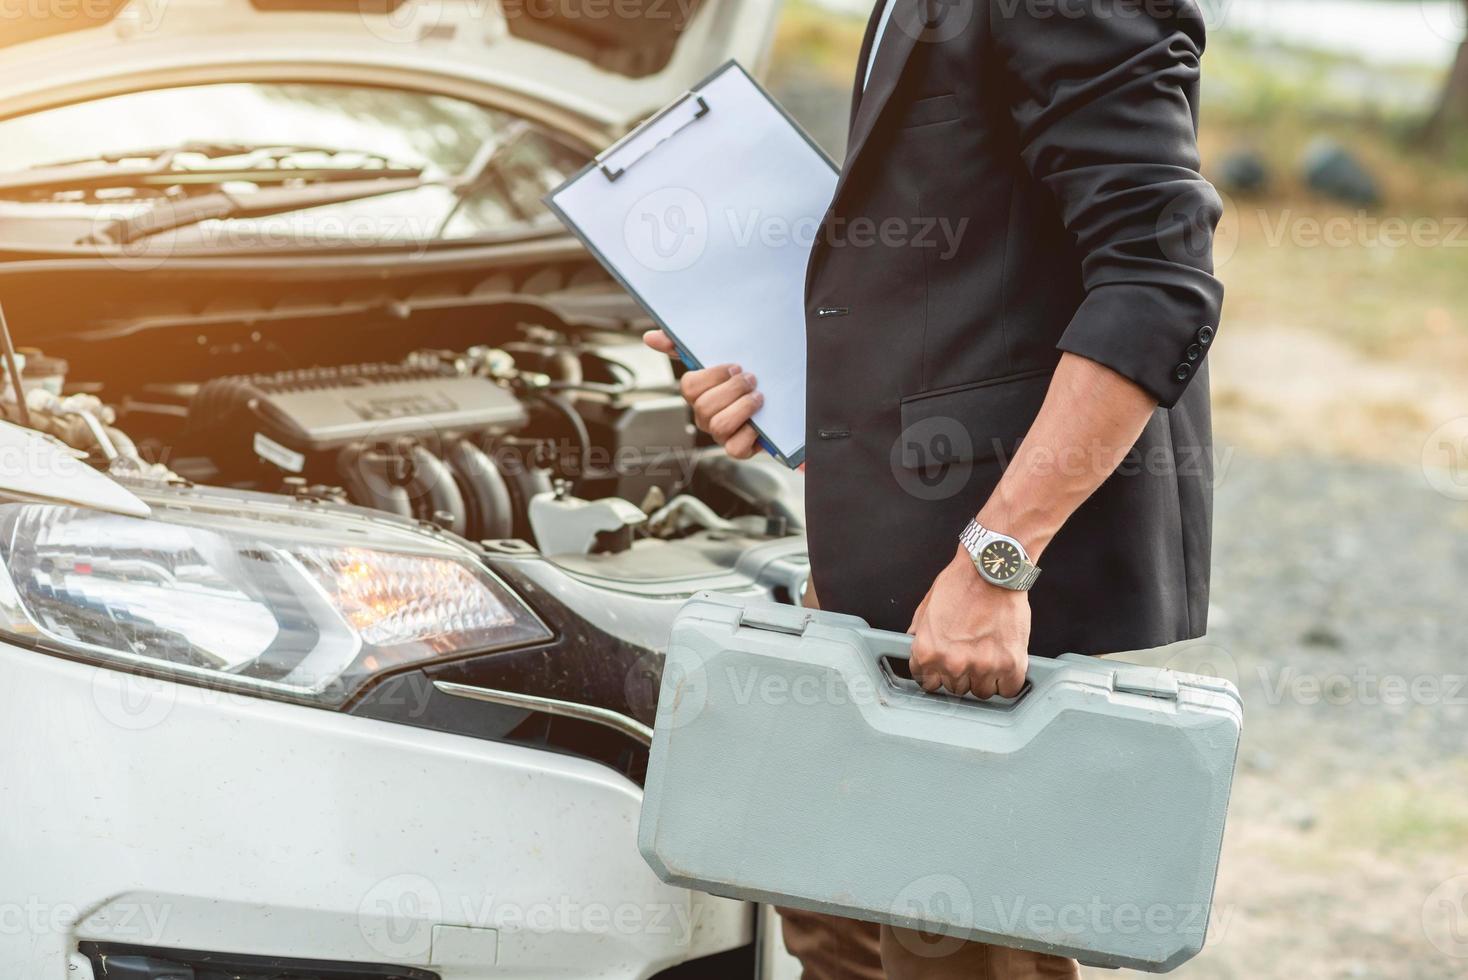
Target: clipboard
(706, 214)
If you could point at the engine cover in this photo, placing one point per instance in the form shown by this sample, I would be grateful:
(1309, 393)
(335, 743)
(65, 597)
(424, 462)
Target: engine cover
(321, 409)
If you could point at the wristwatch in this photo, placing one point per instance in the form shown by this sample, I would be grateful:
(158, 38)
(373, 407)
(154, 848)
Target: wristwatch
(1000, 559)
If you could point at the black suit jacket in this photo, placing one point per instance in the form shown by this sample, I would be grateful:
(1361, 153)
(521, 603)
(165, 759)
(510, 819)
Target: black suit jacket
(1021, 180)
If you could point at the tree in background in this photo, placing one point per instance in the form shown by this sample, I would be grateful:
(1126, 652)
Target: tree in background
(1451, 115)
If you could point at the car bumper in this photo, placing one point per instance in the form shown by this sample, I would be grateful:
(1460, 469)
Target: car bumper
(144, 812)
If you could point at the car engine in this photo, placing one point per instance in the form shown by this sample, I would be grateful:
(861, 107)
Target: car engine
(577, 442)
(411, 438)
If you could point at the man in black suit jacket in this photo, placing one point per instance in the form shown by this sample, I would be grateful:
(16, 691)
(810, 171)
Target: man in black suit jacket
(1009, 312)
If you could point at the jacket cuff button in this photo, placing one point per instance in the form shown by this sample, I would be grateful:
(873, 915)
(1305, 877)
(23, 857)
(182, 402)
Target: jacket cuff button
(1205, 335)
(1183, 371)
(1194, 352)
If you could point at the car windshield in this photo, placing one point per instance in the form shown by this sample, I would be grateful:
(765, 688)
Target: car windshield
(234, 140)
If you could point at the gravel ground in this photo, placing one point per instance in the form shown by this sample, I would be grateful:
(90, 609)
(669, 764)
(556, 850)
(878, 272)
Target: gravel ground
(1337, 591)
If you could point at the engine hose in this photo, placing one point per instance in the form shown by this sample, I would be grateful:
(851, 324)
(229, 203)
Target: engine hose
(491, 511)
(578, 429)
(525, 481)
(560, 362)
(433, 479)
(367, 477)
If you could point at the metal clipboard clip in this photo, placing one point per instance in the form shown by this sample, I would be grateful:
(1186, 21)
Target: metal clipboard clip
(701, 109)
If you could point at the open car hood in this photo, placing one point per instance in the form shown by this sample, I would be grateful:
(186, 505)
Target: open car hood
(609, 62)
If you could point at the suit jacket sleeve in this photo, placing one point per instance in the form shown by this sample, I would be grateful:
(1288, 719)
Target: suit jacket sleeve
(1103, 96)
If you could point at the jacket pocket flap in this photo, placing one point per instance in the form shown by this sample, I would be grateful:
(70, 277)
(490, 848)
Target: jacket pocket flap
(926, 112)
(970, 423)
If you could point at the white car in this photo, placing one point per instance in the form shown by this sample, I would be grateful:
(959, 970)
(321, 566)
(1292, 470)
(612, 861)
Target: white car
(344, 516)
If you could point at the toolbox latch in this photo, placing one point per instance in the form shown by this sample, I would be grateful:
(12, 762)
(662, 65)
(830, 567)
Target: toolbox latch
(1152, 682)
(776, 619)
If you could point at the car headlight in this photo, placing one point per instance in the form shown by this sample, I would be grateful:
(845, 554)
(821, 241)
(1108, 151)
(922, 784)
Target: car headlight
(300, 606)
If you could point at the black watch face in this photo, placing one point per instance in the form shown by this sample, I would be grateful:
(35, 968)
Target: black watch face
(1000, 560)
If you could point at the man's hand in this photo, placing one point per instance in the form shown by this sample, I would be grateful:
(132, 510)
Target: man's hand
(970, 636)
(973, 636)
(723, 398)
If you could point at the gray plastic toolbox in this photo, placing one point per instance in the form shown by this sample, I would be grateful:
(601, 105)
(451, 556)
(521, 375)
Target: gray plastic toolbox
(791, 765)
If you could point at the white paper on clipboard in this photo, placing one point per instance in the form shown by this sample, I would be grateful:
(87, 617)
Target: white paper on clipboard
(706, 214)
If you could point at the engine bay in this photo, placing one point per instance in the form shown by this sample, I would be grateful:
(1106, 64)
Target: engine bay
(496, 420)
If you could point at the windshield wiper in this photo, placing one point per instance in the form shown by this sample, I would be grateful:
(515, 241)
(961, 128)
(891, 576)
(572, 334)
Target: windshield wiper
(171, 215)
(185, 197)
(265, 163)
(486, 168)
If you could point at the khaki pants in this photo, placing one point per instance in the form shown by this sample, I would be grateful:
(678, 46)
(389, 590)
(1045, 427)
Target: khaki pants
(830, 948)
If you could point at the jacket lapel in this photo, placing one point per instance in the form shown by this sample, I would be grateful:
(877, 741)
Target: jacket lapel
(861, 63)
(898, 41)
(867, 101)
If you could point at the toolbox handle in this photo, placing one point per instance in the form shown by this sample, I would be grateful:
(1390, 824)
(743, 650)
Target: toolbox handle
(884, 645)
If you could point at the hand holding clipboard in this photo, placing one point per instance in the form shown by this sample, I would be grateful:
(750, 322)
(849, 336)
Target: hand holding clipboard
(706, 214)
